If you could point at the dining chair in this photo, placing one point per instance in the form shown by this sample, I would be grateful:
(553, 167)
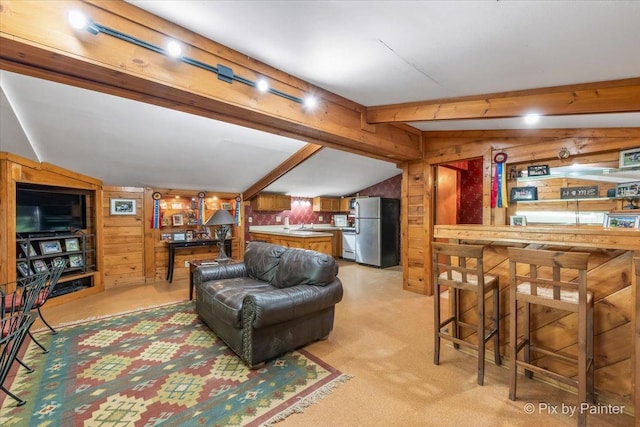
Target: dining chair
(14, 329)
(55, 272)
(21, 300)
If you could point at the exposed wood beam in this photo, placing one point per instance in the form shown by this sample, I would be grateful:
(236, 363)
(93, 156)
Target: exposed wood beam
(300, 156)
(616, 96)
(120, 68)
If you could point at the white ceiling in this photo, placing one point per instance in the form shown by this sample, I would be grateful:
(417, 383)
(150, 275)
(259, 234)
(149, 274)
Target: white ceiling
(372, 52)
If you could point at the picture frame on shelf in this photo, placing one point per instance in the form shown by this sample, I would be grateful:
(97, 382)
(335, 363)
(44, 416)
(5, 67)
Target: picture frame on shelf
(50, 247)
(76, 260)
(72, 245)
(24, 269)
(177, 220)
(630, 158)
(628, 221)
(122, 206)
(28, 249)
(179, 237)
(165, 237)
(40, 266)
(518, 220)
(628, 189)
(519, 194)
(538, 170)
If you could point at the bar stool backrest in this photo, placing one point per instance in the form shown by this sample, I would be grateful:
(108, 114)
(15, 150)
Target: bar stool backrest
(540, 285)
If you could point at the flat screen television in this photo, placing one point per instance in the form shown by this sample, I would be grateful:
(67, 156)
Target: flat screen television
(41, 208)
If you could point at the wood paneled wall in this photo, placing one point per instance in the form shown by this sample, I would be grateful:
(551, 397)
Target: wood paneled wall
(531, 146)
(123, 240)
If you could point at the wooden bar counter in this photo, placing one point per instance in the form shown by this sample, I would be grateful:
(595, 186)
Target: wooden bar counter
(610, 277)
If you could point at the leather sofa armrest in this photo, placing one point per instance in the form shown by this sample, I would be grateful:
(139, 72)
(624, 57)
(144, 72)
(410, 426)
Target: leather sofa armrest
(218, 272)
(279, 305)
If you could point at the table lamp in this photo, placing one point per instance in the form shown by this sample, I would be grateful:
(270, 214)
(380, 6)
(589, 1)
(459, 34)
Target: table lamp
(222, 219)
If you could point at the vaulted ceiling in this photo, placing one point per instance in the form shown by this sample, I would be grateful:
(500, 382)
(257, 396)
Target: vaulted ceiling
(374, 53)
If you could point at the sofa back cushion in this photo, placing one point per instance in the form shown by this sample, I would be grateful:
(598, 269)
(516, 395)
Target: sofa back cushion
(305, 267)
(261, 260)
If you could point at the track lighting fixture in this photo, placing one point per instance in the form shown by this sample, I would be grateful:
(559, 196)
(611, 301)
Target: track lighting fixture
(81, 22)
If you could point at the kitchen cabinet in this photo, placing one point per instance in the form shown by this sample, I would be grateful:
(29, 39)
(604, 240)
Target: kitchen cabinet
(326, 204)
(319, 243)
(271, 202)
(336, 242)
(344, 204)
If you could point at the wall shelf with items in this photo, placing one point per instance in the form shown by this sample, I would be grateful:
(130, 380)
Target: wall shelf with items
(580, 191)
(37, 253)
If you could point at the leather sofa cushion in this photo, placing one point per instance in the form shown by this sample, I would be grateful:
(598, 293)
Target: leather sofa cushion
(305, 267)
(225, 297)
(261, 260)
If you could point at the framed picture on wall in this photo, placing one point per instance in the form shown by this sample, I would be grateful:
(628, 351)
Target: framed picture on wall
(177, 220)
(630, 158)
(123, 207)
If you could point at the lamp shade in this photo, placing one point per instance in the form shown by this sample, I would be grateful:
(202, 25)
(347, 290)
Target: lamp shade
(221, 217)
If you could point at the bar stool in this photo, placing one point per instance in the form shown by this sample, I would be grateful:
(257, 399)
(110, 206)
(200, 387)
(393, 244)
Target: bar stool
(457, 277)
(545, 286)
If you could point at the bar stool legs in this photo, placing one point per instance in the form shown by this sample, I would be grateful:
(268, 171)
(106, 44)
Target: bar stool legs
(458, 278)
(553, 292)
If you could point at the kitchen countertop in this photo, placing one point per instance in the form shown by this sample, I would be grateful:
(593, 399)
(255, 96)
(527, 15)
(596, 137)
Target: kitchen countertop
(295, 232)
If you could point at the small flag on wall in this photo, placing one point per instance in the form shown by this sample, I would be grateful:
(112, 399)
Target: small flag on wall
(499, 184)
(155, 218)
(201, 208)
(238, 199)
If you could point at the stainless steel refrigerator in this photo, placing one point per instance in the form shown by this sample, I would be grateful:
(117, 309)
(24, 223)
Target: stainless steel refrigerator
(377, 223)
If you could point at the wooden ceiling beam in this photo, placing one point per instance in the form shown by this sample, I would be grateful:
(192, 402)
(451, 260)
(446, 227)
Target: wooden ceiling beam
(37, 40)
(615, 96)
(298, 157)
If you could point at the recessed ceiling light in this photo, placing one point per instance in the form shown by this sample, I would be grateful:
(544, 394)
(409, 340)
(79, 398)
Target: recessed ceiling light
(532, 119)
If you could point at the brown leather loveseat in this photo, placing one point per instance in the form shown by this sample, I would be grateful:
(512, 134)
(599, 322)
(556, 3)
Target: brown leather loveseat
(275, 301)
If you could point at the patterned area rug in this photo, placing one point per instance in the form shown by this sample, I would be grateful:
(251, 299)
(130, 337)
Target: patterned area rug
(155, 367)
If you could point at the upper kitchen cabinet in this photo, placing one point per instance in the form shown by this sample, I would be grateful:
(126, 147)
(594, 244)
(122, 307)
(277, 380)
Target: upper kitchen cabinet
(344, 204)
(326, 204)
(271, 202)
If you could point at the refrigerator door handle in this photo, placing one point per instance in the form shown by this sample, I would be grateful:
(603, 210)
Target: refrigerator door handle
(357, 227)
